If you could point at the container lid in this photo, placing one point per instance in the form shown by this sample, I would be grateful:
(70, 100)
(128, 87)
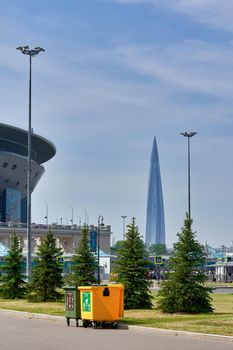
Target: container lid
(96, 286)
(69, 287)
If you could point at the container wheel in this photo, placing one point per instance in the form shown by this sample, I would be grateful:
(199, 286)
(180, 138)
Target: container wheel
(114, 325)
(85, 323)
(94, 325)
(67, 321)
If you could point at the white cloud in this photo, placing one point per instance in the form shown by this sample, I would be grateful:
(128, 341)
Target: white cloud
(216, 13)
(193, 66)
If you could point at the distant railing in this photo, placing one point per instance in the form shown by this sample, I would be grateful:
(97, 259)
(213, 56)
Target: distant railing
(10, 224)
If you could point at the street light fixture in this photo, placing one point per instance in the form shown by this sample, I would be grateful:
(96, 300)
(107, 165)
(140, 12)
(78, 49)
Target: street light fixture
(123, 217)
(72, 214)
(46, 213)
(85, 216)
(79, 220)
(189, 135)
(86, 222)
(98, 243)
(31, 53)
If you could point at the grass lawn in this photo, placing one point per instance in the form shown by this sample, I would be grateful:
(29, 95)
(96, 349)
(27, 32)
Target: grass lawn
(219, 284)
(50, 308)
(220, 322)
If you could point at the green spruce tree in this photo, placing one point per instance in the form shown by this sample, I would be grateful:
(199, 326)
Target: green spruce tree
(46, 275)
(132, 266)
(158, 249)
(84, 264)
(116, 247)
(184, 291)
(12, 284)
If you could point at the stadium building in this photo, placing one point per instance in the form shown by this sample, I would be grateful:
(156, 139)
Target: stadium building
(13, 170)
(13, 197)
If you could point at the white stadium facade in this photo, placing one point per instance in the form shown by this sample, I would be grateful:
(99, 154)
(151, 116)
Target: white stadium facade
(13, 194)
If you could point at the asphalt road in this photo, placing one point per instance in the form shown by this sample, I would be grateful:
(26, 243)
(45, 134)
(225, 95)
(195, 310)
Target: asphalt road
(226, 290)
(18, 333)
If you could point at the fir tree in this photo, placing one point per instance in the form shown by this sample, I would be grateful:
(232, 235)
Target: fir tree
(158, 249)
(12, 284)
(132, 266)
(116, 247)
(46, 275)
(84, 263)
(184, 291)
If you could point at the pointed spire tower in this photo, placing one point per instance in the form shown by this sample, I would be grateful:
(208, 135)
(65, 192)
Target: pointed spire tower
(155, 226)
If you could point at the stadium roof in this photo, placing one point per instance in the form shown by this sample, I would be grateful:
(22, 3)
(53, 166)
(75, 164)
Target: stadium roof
(44, 148)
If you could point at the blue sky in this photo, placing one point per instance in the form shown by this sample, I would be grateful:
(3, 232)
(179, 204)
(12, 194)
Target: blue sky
(115, 73)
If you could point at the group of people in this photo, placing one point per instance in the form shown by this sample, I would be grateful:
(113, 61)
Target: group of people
(156, 275)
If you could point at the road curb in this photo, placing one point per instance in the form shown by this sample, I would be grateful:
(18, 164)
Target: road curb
(176, 332)
(32, 315)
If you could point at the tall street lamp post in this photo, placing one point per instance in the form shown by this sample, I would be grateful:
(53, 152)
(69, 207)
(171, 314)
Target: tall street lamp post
(85, 213)
(79, 220)
(123, 217)
(72, 214)
(31, 53)
(46, 213)
(189, 135)
(98, 243)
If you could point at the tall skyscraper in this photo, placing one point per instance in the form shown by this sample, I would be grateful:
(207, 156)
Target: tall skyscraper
(155, 226)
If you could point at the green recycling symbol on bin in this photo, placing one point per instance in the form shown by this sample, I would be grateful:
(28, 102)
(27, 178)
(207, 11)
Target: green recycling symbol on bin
(86, 301)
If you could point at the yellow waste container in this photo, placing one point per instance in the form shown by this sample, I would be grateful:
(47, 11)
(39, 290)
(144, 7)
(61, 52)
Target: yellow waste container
(102, 304)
